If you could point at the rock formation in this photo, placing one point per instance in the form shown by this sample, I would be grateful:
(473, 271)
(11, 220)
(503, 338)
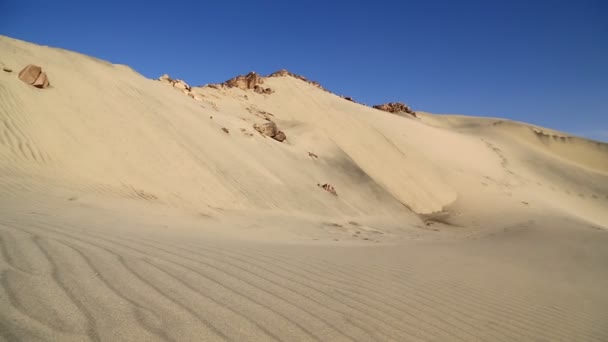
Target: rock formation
(251, 81)
(33, 75)
(395, 107)
(245, 82)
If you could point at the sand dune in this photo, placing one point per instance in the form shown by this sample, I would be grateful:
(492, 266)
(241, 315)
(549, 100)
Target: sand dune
(130, 211)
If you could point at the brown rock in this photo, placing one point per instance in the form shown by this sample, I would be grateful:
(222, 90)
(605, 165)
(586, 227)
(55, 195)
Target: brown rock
(280, 136)
(7, 69)
(395, 107)
(225, 130)
(348, 98)
(262, 90)
(328, 188)
(30, 73)
(42, 81)
(268, 129)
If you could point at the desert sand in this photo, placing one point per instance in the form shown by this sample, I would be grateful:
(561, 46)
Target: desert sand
(130, 211)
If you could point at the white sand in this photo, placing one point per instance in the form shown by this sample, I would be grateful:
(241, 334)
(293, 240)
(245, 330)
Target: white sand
(126, 213)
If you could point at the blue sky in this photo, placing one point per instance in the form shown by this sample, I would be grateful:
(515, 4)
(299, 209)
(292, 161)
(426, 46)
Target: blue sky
(544, 62)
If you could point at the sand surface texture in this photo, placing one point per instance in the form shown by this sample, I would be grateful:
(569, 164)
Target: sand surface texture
(130, 211)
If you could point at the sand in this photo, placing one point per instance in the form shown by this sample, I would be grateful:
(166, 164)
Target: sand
(127, 213)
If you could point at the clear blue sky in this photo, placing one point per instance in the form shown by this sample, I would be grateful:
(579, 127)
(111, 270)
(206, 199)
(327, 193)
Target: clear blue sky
(544, 62)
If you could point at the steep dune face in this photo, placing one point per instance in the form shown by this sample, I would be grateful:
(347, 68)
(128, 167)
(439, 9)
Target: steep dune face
(106, 127)
(102, 128)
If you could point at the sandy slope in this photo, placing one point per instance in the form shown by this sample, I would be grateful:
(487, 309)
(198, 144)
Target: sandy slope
(126, 213)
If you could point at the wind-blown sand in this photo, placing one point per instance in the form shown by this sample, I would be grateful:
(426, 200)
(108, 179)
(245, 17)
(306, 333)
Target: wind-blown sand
(127, 213)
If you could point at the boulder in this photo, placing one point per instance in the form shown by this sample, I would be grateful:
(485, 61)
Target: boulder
(268, 129)
(30, 73)
(280, 136)
(42, 81)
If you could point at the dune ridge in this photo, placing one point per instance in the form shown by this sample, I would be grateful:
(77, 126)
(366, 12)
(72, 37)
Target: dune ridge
(130, 211)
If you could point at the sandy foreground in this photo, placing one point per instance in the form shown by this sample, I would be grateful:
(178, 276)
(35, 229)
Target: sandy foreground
(128, 213)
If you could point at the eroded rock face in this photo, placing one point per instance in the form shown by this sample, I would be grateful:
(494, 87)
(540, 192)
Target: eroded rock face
(245, 82)
(33, 75)
(395, 107)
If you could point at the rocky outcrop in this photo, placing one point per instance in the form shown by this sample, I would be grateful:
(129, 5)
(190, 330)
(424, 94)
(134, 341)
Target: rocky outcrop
(251, 81)
(179, 84)
(270, 129)
(245, 82)
(33, 75)
(284, 73)
(395, 107)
